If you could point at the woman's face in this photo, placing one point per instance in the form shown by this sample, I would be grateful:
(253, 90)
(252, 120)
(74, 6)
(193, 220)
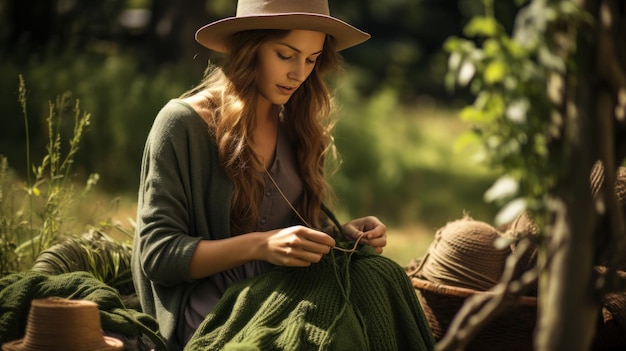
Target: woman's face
(285, 63)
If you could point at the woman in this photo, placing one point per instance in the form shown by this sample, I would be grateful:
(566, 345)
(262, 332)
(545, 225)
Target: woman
(232, 178)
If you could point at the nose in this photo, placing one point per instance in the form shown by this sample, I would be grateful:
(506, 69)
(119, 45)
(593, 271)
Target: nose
(297, 71)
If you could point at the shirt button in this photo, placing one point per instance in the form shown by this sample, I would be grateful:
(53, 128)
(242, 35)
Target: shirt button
(268, 194)
(263, 220)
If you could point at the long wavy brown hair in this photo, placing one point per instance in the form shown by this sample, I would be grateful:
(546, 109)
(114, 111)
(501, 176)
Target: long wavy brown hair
(232, 93)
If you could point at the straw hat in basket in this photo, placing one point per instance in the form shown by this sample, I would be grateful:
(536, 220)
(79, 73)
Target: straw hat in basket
(463, 255)
(56, 324)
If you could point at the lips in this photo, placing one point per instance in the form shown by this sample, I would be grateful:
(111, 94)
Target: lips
(286, 89)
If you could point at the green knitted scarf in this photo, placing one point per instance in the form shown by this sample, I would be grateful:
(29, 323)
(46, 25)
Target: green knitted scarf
(349, 301)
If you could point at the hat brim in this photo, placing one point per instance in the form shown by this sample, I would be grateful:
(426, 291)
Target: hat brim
(216, 35)
(109, 344)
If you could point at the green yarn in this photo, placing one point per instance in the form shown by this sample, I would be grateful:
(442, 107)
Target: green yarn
(349, 301)
(19, 289)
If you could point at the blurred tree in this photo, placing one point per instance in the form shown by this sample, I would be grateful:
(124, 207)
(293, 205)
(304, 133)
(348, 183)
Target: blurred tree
(170, 32)
(550, 103)
(27, 25)
(50, 27)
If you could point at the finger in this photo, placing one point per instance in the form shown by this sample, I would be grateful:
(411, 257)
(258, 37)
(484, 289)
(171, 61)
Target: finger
(301, 257)
(355, 234)
(376, 232)
(314, 247)
(377, 242)
(318, 237)
(290, 261)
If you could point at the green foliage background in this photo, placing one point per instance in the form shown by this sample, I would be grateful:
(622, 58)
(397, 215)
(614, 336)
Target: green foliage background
(397, 123)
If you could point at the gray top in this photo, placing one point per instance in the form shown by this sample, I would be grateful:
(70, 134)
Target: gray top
(184, 196)
(274, 213)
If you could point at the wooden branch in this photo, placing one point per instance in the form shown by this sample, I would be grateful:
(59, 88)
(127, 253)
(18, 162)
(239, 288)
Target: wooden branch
(608, 60)
(616, 248)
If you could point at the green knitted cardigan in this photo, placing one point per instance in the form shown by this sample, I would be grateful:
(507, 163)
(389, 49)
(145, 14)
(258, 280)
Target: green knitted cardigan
(349, 301)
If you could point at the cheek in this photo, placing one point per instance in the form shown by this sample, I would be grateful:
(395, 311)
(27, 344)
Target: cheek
(263, 73)
(310, 71)
(267, 70)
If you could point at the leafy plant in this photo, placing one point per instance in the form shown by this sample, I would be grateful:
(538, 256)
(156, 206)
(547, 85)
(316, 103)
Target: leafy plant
(8, 223)
(35, 213)
(515, 114)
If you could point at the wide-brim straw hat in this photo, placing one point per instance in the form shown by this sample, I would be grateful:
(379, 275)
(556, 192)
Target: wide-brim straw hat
(280, 14)
(61, 324)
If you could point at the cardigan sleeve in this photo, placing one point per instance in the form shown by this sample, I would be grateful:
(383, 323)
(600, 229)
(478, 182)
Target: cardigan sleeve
(176, 182)
(184, 196)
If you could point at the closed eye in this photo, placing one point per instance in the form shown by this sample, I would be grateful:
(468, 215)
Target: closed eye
(310, 61)
(283, 57)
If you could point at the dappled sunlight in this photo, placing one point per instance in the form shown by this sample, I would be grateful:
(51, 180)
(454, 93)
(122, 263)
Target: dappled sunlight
(407, 243)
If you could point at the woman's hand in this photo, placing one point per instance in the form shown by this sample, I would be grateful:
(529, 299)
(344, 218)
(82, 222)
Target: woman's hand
(371, 228)
(296, 246)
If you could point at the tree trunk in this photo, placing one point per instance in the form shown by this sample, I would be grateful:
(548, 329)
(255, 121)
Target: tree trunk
(568, 292)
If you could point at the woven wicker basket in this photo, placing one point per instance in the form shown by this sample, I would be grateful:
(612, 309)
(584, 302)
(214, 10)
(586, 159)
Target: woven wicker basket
(512, 331)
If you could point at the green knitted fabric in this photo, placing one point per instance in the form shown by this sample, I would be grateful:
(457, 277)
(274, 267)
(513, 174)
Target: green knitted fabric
(19, 289)
(348, 301)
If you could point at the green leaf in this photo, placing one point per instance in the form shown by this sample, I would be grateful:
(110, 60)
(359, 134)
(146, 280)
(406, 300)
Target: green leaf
(495, 72)
(494, 106)
(452, 44)
(450, 81)
(492, 48)
(455, 44)
(481, 26)
(471, 114)
(466, 140)
(513, 48)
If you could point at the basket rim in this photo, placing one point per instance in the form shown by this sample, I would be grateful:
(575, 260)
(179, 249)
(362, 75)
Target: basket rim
(449, 290)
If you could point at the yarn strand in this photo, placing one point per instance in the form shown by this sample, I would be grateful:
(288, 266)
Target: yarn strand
(356, 243)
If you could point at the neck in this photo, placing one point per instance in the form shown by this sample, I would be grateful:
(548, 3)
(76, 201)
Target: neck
(266, 112)
(264, 137)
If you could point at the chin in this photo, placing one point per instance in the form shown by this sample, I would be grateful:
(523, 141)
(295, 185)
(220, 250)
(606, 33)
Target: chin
(281, 101)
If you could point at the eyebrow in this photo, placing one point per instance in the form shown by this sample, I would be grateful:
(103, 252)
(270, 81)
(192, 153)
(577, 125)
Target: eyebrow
(298, 50)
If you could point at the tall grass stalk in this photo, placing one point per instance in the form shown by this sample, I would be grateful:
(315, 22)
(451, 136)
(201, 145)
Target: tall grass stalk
(32, 222)
(22, 101)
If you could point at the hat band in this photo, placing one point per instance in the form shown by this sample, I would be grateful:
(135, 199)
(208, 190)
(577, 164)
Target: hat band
(269, 7)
